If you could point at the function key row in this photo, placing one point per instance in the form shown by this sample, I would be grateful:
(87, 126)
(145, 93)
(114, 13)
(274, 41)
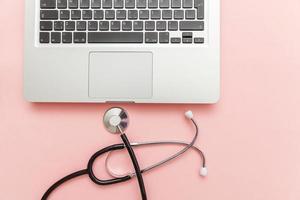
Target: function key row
(117, 37)
(96, 4)
(118, 14)
(122, 25)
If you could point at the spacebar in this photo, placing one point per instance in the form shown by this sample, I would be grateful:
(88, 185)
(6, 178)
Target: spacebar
(115, 37)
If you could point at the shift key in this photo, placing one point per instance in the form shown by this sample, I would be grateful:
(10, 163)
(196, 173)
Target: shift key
(191, 25)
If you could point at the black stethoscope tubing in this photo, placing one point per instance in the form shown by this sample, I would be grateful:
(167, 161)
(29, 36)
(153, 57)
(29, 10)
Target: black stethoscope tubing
(89, 171)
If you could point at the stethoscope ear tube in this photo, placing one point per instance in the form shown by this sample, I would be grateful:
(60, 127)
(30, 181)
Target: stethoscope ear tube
(135, 165)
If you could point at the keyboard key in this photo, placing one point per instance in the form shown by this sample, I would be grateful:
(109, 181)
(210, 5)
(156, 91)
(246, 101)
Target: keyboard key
(187, 35)
(84, 3)
(55, 37)
(199, 40)
(161, 25)
(62, 4)
(132, 14)
(67, 37)
(98, 14)
(118, 3)
(104, 25)
(70, 25)
(144, 14)
(49, 14)
(81, 25)
(115, 25)
(151, 37)
(199, 4)
(115, 37)
(129, 3)
(121, 14)
(75, 14)
(187, 40)
(155, 14)
(107, 3)
(73, 4)
(109, 14)
(92, 25)
(152, 3)
(141, 3)
(64, 14)
(80, 37)
(126, 25)
(191, 25)
(59, 25)
(164, 37)
(48, 4)
(138, 25)
(150, 25)
(190, 14)
(187, 3)
(96, 4)
(176, 4)
(44, 37)
(178, 14)
(87, 14)
(176, 40)
(46, 25)
(173, 25)
(164, 3)
(167, 14)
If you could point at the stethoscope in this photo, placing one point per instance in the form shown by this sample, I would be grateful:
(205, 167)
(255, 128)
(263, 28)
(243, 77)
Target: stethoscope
(116, 121)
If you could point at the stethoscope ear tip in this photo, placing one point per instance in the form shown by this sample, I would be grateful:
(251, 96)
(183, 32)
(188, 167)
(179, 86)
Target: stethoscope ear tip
(189, 114)
(203, 172)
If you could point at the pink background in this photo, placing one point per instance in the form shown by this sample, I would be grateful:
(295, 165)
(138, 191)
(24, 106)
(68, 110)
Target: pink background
(251, 137)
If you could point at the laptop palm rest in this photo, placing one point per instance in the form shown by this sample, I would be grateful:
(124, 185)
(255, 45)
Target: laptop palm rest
(120, 75)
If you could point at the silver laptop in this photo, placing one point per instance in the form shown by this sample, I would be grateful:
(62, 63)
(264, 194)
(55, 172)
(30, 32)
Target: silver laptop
(142, 51)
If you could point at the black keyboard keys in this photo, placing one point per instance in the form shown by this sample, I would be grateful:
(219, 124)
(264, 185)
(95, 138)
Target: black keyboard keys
(96, 3)
(44, 37)
(67, 37)
(187, 3)
(107, 3)
(58, 25)
(93, 25)
(70, 25)
(141, 3)
(48, 4)
(62, 4)
(73, 4)
(191, 25)
(164, 3)
(164, 37)
(46, 25)
(49, 14)
(115, 37)
(81, 25)
(138, 25)
(151, 37)
(115, 25)
(55, 37)
(64, 14)
(84, 3)
(199, 5)
(87, 14)
(79, 37)
(75, 14)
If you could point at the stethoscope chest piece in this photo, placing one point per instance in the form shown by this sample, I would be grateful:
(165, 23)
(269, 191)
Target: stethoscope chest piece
(114, 118)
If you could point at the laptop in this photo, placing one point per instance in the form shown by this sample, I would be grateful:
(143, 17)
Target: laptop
(137, 51)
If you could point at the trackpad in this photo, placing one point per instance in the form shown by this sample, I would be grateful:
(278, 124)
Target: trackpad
(120, 75)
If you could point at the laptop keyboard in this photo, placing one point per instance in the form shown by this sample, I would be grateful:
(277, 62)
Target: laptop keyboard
(121, 21)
